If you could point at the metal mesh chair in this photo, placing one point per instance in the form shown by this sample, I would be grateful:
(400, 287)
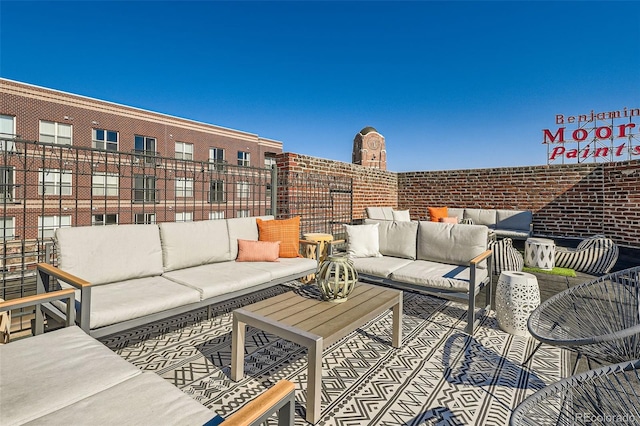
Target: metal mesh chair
(599, 318)
(607, 395)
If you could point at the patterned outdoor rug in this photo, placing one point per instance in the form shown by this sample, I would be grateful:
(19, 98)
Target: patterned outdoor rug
(440, 376)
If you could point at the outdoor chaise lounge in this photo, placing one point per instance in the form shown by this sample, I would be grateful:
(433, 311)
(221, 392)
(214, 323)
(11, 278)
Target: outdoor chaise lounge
(595, 255)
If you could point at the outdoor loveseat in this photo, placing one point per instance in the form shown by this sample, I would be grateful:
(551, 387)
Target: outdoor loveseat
(129, 275)
(442, 259)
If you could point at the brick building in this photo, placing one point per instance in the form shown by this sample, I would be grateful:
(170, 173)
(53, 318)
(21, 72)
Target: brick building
(81, 161)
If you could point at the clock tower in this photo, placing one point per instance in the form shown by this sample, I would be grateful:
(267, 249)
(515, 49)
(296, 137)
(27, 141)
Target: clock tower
(369, 149)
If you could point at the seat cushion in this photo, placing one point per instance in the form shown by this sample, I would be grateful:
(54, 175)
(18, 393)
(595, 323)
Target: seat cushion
(117, 302)
(285, 267)
(45, 373)
(145, 399)
(186, 244)
(379, 266)
(215, 279)
(437, 275)
(106, 254)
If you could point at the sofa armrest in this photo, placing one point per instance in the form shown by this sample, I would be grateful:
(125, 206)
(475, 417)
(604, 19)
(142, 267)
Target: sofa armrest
(473, 264)
(37, 300)
(479, 258)
(46, 271)
(280, 398)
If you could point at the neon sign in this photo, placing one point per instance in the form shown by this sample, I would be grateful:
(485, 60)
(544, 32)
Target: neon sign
(597, 137)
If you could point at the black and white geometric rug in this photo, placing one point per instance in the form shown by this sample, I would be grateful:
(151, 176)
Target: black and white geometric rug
(440, 375)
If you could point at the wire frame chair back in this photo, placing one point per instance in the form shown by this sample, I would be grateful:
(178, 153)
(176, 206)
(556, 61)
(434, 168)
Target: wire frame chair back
(607, 395)
(599, 318)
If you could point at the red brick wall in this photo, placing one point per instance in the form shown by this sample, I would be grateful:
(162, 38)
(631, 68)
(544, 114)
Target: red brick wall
(572, 201)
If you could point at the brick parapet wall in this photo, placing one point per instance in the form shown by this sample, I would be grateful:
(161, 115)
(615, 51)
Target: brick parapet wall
(568, 201)
(371, 187)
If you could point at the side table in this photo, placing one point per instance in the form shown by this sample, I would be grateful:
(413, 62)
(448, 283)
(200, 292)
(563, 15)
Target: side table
(310, 250)
(539, 253)
(517, 295)
(5, 325)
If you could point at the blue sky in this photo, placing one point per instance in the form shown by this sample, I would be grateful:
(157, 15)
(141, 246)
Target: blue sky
(450, 85)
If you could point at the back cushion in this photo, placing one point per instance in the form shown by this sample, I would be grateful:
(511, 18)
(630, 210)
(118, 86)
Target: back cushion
(397, 239)
(485, 217)
(242, 228)
(380, 213)
(104, 254)
(449, 243)
(514, 219)
(186, 244)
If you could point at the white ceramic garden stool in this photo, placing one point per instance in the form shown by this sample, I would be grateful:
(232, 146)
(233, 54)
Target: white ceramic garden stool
(539, 253)
(517, 295)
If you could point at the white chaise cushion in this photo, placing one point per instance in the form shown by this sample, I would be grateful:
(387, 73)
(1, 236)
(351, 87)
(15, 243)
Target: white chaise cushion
(146, 399)
(105, 254)
(454, 244)
(45, 373)
(186, 244)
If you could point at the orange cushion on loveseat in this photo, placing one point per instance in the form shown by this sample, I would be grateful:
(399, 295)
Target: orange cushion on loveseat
(287, 231)
(435, 213)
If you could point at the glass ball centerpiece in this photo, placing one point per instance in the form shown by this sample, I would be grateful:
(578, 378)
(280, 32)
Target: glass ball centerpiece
(336, 278)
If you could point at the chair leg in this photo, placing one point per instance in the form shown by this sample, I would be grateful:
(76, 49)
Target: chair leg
(526, 361)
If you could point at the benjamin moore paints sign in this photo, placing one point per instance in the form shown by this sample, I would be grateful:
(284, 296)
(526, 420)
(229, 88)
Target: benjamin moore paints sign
(595, 137)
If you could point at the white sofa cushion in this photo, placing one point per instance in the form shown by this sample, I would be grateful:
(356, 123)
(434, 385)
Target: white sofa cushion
(397, 238)
(220, 278)
(186, 244)
(146, 399)
(401, 215)
(105, 254)
(437, 275)
(45, 373)
(286, 266)
(485, 217)
(363, 240)
(514, 220)
(242, 228)
(454, 244)
(380, 213)
(125, 300)
(379, 266)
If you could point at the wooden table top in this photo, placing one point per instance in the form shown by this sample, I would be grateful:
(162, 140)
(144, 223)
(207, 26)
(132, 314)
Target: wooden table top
(329, 320)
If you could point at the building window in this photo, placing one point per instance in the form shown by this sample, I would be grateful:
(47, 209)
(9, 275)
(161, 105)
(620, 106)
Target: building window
(244, 159)
(104, 219)
(144, 189)
(7, 131)
(184, 217)
(243, 190)
(267, 191)
(269, 162)
(216, 215)
(47, 225)
(145, 218)
(7, 188)
(104, 184)
(54, 182)
(105, 139)
(243, 213)
(268, 212)
(184, 187)
(216, 159)
(8, 228)
(52, 132)
(217, 192)
(146, 146)
(184, 151)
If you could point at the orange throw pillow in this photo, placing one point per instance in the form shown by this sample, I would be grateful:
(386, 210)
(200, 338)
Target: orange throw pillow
(287, 231)
(435, 213)
(258, 251)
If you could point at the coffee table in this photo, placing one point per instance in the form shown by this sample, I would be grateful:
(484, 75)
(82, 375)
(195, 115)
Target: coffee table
(315, 324)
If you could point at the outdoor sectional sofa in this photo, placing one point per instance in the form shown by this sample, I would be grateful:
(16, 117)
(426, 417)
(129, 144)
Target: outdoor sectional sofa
(442, 259)
(515, 224)
(129, 275)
